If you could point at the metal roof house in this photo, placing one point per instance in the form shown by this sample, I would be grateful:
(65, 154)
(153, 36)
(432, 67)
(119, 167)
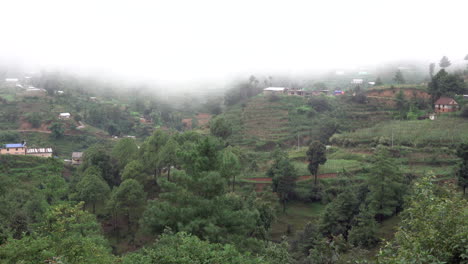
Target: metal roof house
(274, 90)
(14, 149)
(77, 158)
(445, 104)
(64, 115)
(39, 152)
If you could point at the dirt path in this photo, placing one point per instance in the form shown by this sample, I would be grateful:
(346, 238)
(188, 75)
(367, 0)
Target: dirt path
(301, 178)
(262, 182)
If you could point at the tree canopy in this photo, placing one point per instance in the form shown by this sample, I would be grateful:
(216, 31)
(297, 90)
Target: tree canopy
(444, 62)
(316, 155)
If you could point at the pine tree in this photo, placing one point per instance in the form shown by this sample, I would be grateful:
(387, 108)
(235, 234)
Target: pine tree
(431, 69)
(399, 77)
(462, 152)
(444, 62)
(378, 81)
(284, 177)
(386, 186)
(316, 155)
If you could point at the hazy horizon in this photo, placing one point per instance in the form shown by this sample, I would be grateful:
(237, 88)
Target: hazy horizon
(208, 41)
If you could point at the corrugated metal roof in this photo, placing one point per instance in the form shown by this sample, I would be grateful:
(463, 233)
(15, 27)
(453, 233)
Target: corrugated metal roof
(357, 81)
(38, 150)
(274, 89)
(445, 101)
(16, 145)
(77, 154)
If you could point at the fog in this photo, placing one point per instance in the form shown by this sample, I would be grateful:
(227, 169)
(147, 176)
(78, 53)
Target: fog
(186, 42)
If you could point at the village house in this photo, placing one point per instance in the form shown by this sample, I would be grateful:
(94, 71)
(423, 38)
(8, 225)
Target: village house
(357, 81)
(64, 116)
(77, 158)
(14, 149)
(338, 92)
(298, 91)
(445, 104)
(275, 90)
(11, 82)
(39, 152)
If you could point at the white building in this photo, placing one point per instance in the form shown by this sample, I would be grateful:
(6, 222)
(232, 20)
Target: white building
(64, 116)
(357, 81)
(274, 90)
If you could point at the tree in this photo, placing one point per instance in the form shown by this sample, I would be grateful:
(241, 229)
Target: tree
(151, 150)
(431, 69)
(124, 151)
(462, 153)
(378, 81)
(135, 170)
(229, 165)
(338, 215)
(363, 233)
(169, 156)
(92, 188)
(35, 119)
(386, 186)
(399, 79)
(284, 177)
(220, 127)
(57, 130)
(444, 62)
(319, 104)
(316, 155)
(444, 83)
(128, 198)
(401, 104)
(185, 248)
(198, 204)
(66, 234)
(464, 111)
(466, 58)
(433, 227)
(97, 156)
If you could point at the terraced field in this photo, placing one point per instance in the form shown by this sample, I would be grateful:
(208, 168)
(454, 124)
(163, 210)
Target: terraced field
(265, 120)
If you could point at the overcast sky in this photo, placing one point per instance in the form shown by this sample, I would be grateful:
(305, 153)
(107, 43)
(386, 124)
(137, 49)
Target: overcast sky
(211, 39)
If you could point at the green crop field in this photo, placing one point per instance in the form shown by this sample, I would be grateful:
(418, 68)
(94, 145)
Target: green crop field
(446, 130)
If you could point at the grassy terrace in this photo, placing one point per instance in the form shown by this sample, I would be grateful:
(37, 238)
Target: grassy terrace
(446, 130)
(404, 86)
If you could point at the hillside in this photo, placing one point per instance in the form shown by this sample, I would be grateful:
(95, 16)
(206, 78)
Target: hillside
(446, 130)
(262, 122)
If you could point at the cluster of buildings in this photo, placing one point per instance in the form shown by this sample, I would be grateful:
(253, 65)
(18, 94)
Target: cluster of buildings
(299, 91)
(22, 149)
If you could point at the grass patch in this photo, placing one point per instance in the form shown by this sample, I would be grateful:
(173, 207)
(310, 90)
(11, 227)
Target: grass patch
(297, 215)
(331, 166)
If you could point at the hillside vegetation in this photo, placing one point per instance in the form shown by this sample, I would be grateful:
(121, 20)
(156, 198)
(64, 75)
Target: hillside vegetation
(444, 131)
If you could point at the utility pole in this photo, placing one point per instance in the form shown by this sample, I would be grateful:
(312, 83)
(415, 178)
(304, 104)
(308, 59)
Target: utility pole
(392, 136)
(297, 141)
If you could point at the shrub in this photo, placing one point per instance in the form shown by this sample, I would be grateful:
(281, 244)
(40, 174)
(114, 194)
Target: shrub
(464, 111)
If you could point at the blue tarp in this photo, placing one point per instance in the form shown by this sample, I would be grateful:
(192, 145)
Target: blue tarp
(19, 145)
